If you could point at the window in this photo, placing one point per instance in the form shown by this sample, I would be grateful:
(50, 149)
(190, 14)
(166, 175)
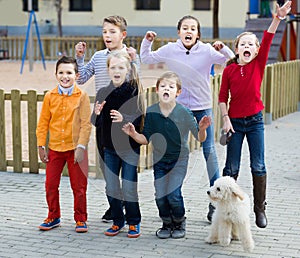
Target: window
(202, 5)
(35, 5)
(81, 5)
(147, 5)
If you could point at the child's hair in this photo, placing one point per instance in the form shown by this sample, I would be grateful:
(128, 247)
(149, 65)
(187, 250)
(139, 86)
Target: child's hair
(169, 75)
(66, 60)
(133, 76)
(189, 17)
(236, 44)
(117, 20)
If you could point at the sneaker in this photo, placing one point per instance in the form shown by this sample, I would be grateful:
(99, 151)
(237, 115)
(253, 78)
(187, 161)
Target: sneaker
(107, 217)
(164, 231)
(134, 231)
(211, 210)
(49, 224)
(113, 230)
(81, 227)
(178, 230)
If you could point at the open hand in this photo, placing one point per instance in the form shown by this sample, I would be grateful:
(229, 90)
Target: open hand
(116, 116)
(128, 128)
(204, 122)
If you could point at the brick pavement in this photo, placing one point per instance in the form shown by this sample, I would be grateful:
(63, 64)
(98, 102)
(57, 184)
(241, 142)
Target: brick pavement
(23, 207)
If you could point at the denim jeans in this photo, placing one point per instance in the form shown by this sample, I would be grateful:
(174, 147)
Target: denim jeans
(253, 128)
(169, 177)
(125, 162)
(208, 147)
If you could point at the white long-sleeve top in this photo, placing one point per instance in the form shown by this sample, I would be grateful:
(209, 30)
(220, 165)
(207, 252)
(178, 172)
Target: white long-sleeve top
(192, 66)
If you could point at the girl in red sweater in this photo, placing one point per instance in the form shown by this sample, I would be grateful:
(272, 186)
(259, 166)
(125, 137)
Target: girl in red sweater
(241, 81)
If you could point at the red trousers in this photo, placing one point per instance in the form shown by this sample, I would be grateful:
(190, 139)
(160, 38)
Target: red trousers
(78, 174)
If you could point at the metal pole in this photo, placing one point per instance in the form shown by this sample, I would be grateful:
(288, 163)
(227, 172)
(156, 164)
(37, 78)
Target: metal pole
(288, 39)
(30, 39)
(298, 29)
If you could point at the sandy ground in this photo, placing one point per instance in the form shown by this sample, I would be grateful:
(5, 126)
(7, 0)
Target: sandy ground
(42, 80)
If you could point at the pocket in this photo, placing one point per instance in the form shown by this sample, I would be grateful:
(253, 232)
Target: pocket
(258, 117)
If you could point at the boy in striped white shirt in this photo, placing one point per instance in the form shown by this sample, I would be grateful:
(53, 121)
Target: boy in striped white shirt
(114, 31)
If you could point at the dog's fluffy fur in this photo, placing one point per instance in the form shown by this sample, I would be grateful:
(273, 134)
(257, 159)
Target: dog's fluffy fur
(231, 219)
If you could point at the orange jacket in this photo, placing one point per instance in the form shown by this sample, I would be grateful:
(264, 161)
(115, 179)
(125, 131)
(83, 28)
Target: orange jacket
(67, 118)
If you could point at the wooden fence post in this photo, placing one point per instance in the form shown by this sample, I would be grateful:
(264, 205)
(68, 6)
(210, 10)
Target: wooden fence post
(16, 130)
(3, 166)
(32, 123)
(269, 93)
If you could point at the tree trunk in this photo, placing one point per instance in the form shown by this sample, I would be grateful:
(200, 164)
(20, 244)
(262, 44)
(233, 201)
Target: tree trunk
(59, 9)
(216, 19)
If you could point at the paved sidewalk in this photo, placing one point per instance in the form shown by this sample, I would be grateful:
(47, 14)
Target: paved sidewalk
(23, 207)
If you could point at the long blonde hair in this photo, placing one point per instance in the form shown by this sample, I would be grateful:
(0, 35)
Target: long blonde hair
(133, 78)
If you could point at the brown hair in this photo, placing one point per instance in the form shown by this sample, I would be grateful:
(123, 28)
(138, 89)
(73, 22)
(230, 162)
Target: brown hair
(117, 20)
(236, 43)
(66, 60)
(169, 75)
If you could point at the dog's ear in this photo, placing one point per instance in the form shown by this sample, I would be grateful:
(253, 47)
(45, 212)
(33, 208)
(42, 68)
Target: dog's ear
(236, 191)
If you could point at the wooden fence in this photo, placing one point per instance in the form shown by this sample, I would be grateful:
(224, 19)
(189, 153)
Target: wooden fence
(53, 47)
(280, 93)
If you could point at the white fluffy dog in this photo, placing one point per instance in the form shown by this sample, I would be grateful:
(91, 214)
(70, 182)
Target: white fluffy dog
(231, 218)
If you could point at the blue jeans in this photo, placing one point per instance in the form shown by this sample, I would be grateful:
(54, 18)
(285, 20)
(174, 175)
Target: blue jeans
(253, 128)
(169, 178)
(126, 162)
(208, 146)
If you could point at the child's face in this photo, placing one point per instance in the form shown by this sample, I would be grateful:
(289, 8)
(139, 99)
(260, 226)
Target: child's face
(247, 49)
(188, 33)
(113, 36)
(117, 70)
(167, 90)
(66, 75)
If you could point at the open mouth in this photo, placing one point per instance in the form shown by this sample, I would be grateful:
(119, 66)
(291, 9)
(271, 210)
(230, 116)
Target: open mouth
(166, 95)
(247, 54)
(188, 37)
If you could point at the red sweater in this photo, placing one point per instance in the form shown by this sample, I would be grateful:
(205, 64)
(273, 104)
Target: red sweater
(242, 83)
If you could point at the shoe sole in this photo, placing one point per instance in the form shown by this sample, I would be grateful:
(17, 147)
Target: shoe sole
(48, 228)
(113, 234)
(133, 236)
(81, 230)
(107, 220)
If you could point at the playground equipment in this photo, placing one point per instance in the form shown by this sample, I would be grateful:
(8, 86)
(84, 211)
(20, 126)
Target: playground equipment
(29, 41)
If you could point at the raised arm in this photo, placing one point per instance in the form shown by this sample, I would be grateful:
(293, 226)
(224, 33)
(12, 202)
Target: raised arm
(281, 13)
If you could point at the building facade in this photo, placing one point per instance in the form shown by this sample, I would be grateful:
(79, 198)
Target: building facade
(84, 17)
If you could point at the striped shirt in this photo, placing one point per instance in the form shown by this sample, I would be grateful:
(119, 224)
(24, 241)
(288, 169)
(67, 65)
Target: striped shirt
(97, 66)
